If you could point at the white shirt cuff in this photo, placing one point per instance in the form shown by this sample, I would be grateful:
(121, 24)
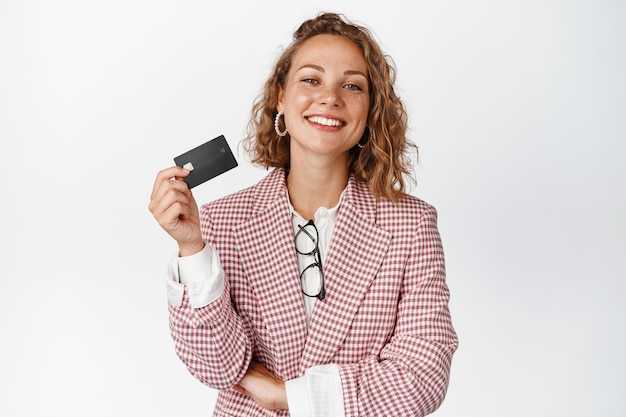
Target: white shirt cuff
(297, 397)
(318, 393)
(201, 273)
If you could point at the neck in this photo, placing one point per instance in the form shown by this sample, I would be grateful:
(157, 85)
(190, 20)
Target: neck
(311, 188)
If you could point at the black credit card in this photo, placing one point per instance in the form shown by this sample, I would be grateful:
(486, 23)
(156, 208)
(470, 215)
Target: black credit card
(206, 161)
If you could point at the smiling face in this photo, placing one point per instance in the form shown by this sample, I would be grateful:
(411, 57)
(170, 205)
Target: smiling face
(325, 98)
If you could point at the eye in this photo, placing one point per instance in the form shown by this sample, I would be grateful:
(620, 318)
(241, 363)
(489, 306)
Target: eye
(309, 81)
(355, 87)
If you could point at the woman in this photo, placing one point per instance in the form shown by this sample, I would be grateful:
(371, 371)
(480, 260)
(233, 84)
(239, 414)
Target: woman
(321, 290)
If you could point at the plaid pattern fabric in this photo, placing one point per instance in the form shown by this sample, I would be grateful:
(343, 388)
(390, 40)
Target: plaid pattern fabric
(384, 321)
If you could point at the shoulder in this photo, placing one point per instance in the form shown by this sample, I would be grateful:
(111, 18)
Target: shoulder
(404, 214)
(407, 214)
(411, 205)
(241, 198)
(241, 204)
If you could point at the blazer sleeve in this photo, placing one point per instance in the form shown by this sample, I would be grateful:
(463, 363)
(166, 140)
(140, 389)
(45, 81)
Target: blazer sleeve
(410, 376)
(212, 341)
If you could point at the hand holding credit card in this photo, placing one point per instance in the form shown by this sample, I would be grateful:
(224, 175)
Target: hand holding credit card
(206, 161)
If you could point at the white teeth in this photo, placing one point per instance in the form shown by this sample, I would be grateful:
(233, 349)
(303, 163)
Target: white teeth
(324, 121)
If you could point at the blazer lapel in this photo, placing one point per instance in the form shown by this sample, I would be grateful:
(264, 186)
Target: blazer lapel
(265, 243)
(357, 249)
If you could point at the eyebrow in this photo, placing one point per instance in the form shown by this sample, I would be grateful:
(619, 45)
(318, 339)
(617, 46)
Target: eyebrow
(321, 69)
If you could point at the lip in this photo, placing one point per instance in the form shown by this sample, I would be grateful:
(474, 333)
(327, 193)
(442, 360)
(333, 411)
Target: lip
(325, 121)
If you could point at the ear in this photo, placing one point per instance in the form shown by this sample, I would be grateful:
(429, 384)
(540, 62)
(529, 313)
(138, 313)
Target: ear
(280, 105)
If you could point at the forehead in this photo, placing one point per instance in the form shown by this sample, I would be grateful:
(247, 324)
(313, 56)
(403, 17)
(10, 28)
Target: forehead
(327, 50)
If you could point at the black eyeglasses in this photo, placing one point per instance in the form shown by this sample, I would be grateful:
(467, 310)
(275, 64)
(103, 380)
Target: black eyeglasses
(312, 277)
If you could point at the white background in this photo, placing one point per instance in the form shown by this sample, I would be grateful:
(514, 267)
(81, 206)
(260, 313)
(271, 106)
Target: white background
(519, 109)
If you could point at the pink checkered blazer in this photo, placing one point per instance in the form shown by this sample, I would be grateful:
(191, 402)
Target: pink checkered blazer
(385, 320)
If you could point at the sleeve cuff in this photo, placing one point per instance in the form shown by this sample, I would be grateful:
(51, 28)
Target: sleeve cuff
(318, 393)
(297, 397)
(201, 273)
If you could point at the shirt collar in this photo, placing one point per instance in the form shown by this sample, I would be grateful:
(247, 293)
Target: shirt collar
(322, 214)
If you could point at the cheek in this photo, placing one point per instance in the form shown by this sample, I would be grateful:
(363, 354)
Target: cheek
(362, 110)
(295, 102)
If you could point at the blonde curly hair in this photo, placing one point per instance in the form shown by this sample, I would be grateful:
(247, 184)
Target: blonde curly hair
(384, 162)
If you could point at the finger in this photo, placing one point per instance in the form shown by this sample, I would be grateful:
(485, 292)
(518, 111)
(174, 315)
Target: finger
(168, 191)
(173, 199)
(170, 219)
(240, 390)
(171, 172)
(166, 175)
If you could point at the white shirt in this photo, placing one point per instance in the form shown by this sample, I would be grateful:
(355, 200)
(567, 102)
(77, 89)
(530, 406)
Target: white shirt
(319, 391)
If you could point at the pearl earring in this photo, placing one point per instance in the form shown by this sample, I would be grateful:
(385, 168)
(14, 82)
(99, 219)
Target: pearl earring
(277, 128)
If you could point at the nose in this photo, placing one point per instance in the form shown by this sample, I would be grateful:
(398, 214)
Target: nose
(330, 96)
